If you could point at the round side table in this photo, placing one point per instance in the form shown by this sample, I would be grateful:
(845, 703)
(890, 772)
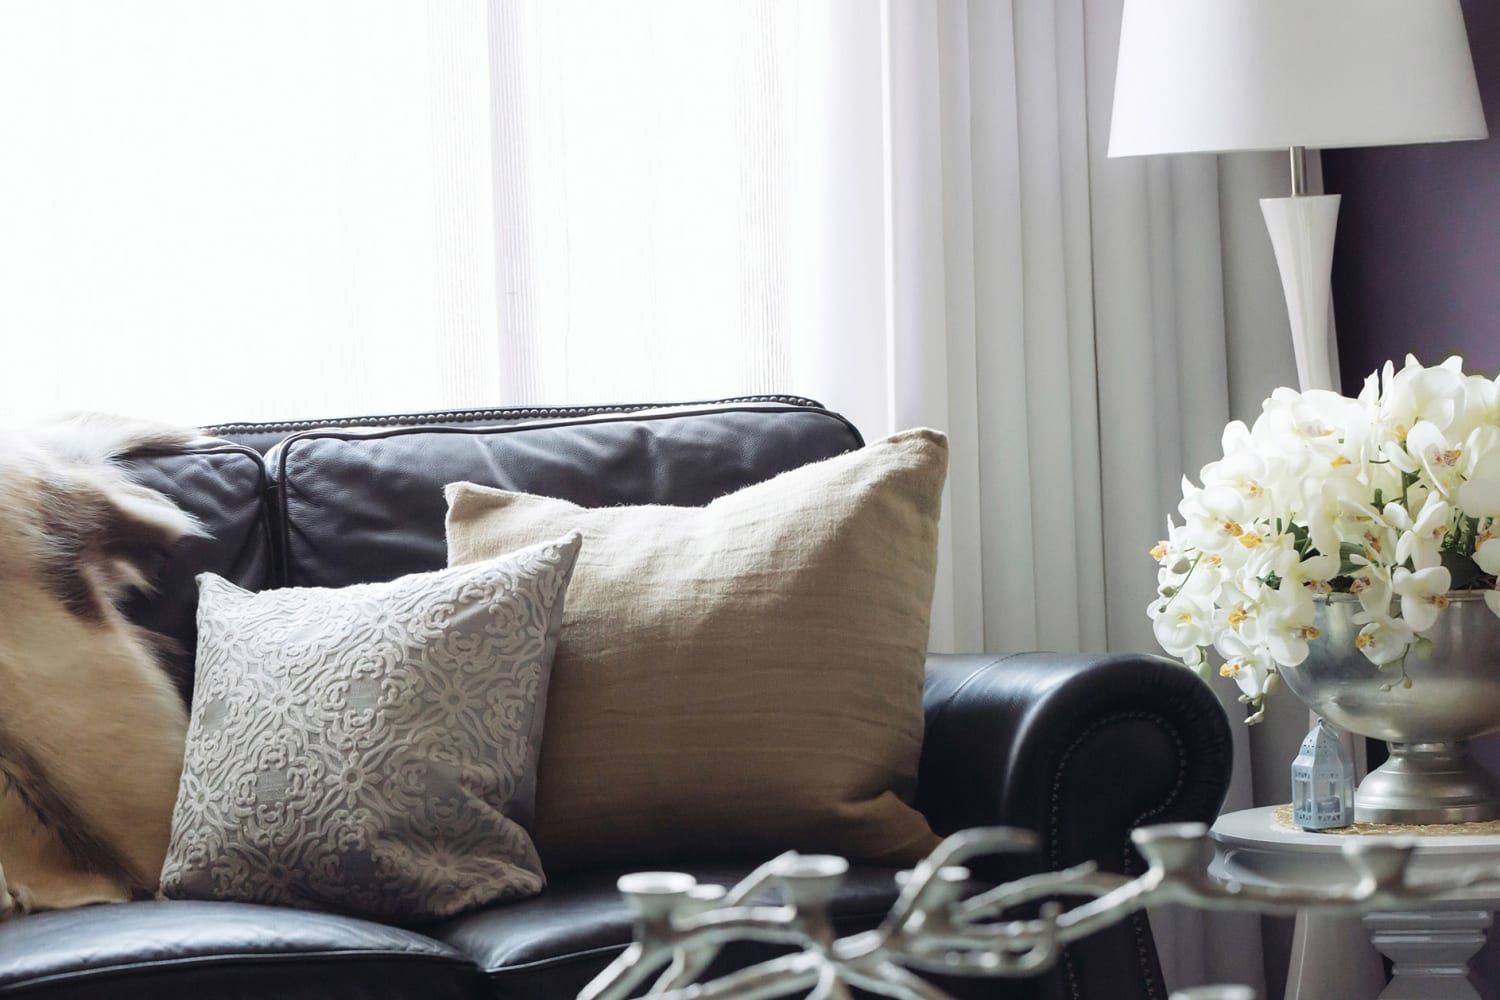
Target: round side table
(1431, 948)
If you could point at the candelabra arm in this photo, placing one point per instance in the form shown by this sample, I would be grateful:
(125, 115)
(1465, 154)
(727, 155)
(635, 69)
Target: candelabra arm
(831, 986)
(954, 850)
(629, 969)
(685, 969)
(774, 978)
(759, 880)
(767, 923)
(889, 979)
(1081, 880)
(1108, 909)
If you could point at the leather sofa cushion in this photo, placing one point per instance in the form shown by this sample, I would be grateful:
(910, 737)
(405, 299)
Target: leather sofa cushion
(171, 950)
(222, 485)
(367, 506)
(549, 947)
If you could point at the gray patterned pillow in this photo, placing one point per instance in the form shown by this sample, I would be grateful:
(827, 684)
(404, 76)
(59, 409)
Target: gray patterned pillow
(372, 749)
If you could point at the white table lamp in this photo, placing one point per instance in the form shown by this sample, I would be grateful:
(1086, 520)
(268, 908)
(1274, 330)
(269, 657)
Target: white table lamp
(1216, 76)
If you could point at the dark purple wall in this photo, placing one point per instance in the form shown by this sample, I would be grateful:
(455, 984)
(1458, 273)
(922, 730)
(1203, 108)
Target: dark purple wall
(1417, 264)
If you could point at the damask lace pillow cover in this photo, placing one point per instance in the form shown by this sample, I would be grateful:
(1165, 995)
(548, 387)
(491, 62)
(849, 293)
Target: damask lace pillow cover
(370, 750)
(742, 678)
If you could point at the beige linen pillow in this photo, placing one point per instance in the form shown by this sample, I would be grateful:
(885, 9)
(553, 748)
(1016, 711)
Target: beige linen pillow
(737, 679)
(370, 749)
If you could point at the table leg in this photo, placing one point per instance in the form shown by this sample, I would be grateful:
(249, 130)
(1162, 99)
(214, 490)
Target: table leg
(1431, 952)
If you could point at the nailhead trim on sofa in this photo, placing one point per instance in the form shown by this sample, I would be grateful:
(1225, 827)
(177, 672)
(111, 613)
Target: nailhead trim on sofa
(1138, 919)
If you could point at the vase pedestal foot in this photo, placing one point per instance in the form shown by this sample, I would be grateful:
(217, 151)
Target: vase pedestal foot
(1428, 783)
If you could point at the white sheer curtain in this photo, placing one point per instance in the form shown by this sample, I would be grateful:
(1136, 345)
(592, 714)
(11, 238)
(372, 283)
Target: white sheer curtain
(1082, 328)
(644, 191)
(239, 209)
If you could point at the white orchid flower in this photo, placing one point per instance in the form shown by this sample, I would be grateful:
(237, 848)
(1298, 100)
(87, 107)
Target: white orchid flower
(1480, 496)
(1313, 574)
(1371, 583)
(1394, 453)
(1213, 518)
(1422, 540)
(1328, 519)
(1260, 540)
(1361, 524)
(1423, 594)
(1479, 450)
(1268, 554)
(1250, 666)
(1181, 624)
(1172, 552)
(1382, 639)
(1487, 555)
(1437, 455)
(1416, 394)
(1478, 407)
(1239, 615)
(1288, 631)
(1244, 472)
(1304, 427)
(1266, 476)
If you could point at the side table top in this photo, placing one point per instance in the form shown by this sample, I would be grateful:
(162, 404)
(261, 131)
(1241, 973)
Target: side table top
(1250, 847)
(1258, 827)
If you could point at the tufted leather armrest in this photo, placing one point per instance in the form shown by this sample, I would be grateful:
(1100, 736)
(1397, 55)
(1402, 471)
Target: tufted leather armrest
(1081, 748)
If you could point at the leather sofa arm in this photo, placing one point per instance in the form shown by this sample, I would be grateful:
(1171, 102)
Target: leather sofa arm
(1073, 746)
(1081, 748)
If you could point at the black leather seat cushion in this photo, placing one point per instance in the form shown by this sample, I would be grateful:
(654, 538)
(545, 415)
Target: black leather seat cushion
(550, 946)
(219, 951)
(367, 506)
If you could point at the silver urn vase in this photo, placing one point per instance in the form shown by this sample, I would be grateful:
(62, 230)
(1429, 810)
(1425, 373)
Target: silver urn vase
(1454, 697)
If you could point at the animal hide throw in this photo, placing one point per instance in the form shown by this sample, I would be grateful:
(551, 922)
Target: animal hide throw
(91, 727)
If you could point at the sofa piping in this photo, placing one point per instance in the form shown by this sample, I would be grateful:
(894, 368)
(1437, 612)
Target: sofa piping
(526, 413)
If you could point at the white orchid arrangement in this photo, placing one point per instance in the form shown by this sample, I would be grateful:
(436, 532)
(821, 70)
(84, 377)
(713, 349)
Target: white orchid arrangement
(1393, 496)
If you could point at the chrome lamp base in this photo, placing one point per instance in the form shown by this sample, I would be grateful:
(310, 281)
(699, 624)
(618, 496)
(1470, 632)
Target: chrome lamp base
(1428, 783)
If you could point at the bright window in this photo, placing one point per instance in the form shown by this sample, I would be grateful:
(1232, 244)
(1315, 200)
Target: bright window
(239, 209)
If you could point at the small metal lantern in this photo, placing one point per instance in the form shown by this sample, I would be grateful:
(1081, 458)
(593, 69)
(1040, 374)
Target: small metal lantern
(1322, 781)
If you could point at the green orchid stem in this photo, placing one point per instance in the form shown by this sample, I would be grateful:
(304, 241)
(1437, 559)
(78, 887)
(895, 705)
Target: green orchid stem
(1186, 577)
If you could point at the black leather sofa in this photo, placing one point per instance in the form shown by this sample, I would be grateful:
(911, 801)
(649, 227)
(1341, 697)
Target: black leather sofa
(1080, 748)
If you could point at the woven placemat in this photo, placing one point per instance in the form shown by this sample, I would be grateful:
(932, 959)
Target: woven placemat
(1282, 817)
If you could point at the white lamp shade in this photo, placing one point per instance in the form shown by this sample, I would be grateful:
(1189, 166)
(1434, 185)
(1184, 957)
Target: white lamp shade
(1198, 76)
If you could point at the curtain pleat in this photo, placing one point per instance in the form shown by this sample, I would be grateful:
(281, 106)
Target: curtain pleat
(237, 210)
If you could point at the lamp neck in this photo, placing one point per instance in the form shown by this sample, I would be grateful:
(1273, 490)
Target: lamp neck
(1299, 171)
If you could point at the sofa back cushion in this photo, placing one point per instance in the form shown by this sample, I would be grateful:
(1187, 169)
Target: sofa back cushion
(223, 485)
(363, 506)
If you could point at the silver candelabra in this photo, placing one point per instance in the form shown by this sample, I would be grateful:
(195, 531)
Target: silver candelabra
(937, 927)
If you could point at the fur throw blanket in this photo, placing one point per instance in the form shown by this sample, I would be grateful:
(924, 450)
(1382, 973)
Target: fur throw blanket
(91, 728)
